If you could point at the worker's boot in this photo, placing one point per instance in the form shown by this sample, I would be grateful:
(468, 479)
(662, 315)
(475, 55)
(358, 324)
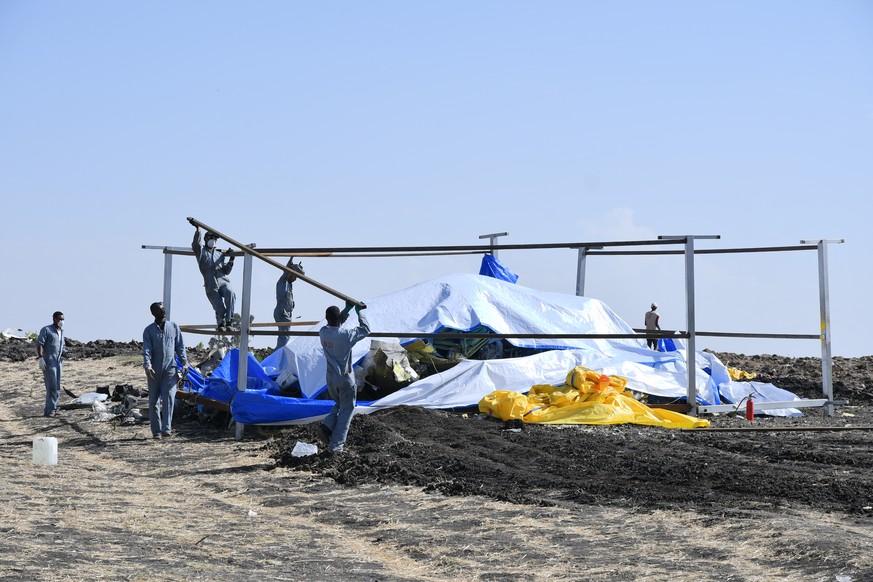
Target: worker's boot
(324, 433)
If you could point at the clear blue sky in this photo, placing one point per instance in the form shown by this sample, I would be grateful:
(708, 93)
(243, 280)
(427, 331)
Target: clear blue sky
(413, 123)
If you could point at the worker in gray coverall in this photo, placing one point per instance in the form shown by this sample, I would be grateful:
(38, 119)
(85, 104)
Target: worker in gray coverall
(285, 300)
(215, 266)
(652, 323)
(50, 349)
(161, 344)
(337, 344)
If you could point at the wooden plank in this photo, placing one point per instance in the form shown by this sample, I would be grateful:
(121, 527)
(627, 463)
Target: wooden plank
(195, 398)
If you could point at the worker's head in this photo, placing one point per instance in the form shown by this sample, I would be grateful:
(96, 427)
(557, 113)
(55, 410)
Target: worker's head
(298, 267)
(654, 306)
(58, 319)
(157, 309)
(334, 316)
(210, 238)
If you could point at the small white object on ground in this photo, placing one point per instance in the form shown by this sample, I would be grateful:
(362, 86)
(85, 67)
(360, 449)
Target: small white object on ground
(302, 449)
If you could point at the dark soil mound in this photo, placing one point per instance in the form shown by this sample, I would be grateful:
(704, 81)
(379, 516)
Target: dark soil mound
(852, 377)
(625, 465)
(18, 350)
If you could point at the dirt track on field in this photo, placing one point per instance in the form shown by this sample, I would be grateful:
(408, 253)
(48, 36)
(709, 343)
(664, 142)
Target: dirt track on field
(428, 495)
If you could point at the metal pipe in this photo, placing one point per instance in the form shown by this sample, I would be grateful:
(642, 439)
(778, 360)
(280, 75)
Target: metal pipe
(209, 330)
(480, 248)
(243, 364)
(493, 237)
(168, 284)
(711, 251)
(280, 266)
(691, 351)
(580, 272)
(827, 380)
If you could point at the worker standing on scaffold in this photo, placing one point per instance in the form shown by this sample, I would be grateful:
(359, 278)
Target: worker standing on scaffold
(215, 266)
(285, 299)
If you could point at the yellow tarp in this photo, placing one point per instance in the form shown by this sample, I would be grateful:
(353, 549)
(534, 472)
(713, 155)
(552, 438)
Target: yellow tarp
(587, 397)
(737, 375)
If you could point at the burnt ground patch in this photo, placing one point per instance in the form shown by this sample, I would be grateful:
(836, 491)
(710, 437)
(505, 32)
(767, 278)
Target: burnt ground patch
(629, 466)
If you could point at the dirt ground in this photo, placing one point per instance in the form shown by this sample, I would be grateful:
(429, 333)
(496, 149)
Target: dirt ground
(433, 495)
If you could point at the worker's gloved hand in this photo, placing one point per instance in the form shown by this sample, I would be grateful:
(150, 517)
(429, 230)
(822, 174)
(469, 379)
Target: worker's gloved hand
(149, 371)
(360, 307)
(185, 369)
(42, 365)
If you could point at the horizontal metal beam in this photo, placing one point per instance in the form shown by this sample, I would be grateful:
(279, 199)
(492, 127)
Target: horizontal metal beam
(684, 334)
(478, 248)
(210, 330)
(814, 336)
(803, 403)
(710, 251)
(779, 428)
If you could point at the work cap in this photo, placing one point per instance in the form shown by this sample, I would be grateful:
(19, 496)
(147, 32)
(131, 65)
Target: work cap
(654, 305)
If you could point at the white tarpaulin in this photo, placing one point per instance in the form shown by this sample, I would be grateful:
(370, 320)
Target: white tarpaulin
(463, 302)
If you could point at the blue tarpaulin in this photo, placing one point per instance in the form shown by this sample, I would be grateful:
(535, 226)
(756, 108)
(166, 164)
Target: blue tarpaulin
(491, 267)
(222, 384)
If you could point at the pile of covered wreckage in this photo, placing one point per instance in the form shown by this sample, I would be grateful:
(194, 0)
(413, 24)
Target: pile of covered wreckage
(288, 387)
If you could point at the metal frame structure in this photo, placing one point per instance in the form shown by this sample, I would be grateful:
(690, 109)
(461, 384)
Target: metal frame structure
(824, 312)
(584, 250)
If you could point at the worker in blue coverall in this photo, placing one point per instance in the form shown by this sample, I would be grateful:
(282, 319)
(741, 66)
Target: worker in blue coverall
(285, 299)
(161, 345)
(215, 266)
(337, 344)
(50, 349)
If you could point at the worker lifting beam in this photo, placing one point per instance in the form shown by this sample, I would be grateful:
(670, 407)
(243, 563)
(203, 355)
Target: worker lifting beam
(250, 250)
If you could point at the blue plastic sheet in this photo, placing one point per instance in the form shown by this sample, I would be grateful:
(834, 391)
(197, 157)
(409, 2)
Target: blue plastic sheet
(222, 384)
(491, 267)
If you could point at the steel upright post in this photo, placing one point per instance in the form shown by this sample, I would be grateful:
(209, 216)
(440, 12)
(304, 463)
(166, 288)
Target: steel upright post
(168, 283)
(245, 315)
(580, 272)
(493, 238)
(827, 382)
(691, 351)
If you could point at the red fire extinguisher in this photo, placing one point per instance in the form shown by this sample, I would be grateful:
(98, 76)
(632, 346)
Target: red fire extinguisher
(750, 409)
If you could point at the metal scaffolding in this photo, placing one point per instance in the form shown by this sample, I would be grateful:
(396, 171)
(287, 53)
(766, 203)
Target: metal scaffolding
(585, 249)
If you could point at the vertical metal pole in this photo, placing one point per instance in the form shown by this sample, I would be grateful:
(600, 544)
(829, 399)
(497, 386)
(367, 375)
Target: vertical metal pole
(168, 282)
(243, 367)
(691, 352)
(580, 272)
(493, 237)
(827, 384)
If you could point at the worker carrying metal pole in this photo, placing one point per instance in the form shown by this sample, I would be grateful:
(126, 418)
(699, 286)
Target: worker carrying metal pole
(269, 261)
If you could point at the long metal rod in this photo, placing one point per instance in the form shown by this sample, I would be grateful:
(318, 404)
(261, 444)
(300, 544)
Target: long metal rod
(691, 351)
(827, 382)
(759, 335)
(580, 272)
(323, 255)
(673, 334)
(280, 266)
(480, 248)
(711, 251)
(774, 405)
(209, 330)
(242, 375)
(780, 429)
(168, 284)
